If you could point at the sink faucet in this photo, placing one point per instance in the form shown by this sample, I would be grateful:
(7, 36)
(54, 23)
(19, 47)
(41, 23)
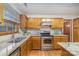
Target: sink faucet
(12, 37)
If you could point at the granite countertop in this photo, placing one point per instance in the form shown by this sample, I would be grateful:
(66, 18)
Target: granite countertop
(72, 47)
(7, 48)
(60, 35)
(51, 35)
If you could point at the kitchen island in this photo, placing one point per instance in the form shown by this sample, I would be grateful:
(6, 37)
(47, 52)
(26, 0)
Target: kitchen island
(69, 48)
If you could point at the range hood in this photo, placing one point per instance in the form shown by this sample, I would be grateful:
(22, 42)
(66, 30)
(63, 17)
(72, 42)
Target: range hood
(46, 24)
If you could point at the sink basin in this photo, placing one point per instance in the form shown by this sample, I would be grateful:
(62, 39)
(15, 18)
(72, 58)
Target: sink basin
(17, 40)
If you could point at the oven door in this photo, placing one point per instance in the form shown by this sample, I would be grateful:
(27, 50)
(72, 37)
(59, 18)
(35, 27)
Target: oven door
(46, 41)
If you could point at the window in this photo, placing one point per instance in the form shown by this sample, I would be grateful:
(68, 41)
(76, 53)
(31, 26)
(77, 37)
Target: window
(3, 27)
(8, 27)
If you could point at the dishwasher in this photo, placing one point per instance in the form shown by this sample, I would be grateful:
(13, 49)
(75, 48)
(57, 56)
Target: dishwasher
(16, 52)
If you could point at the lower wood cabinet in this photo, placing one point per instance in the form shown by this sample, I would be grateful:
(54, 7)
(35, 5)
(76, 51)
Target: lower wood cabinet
(31, 43)
(23, 49)
(26, 47)
(36, 43)
(57, 39)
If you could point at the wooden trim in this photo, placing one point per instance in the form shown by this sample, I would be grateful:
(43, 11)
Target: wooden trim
(5, 20)
(6, 33)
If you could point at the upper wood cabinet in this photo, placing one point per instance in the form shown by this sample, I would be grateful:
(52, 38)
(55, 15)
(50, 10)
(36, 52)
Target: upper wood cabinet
(76, 22)
(23, 20)
(57, 23)
(34, 23)
(36, 43)
(1, 13)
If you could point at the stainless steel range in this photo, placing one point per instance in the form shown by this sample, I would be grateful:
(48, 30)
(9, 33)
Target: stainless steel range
(46, 43)
(46, 38)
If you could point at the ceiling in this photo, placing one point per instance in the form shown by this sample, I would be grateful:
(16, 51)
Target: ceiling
(66, 10)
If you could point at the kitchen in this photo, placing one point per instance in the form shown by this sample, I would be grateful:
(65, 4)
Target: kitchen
(39, 29)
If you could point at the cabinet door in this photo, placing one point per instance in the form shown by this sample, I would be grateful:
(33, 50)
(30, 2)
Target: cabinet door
(36, 42)
(29, 46)
(34, 23)
(76, 34)
(76, 22)
(37, 23)
(64, 38)
(57, 23)
(23, 49)
(1, 13)
(23, 20)
(30, 24)
(55, 43)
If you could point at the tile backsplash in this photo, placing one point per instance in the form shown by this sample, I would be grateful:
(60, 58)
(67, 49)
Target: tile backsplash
(34, 32)
(56, 32)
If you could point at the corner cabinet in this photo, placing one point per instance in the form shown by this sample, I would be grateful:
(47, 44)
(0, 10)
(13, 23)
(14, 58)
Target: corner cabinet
(1, 13)
(36, 42)
(23, 21)
(57, 23)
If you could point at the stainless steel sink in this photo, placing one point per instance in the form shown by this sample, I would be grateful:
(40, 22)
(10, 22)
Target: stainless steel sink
(17, 40)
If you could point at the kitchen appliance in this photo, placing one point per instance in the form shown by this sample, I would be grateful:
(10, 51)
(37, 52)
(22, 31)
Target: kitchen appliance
(46, 43)
(45, 23)
(46, 38)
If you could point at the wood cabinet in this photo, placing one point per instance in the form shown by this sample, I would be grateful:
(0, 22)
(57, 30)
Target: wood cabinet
(36, 42)
(1, 13)
(76, 30)
(26, 47)
(23, 20)
(23, 49)
(76, 34)
(76, 22)
(57, 39)
(57, 23)
(34, 23)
